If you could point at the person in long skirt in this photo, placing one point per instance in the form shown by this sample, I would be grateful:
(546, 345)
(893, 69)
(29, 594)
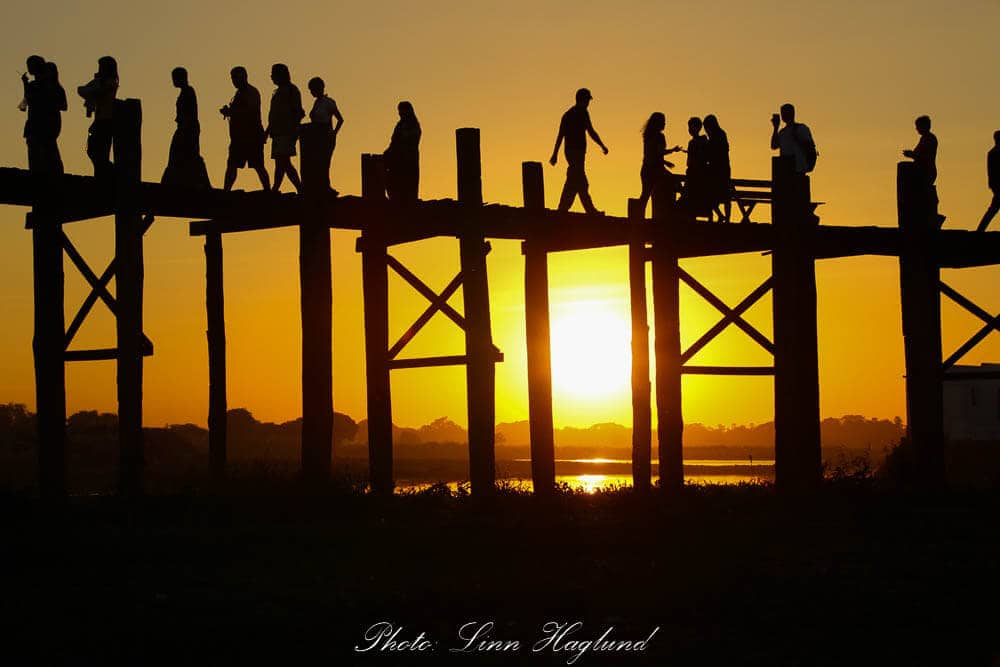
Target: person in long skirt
(402, 157)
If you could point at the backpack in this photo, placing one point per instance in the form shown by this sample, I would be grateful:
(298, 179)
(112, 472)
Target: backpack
(808, 148)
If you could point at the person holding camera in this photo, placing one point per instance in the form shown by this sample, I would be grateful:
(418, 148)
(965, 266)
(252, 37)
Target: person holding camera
(794, 140)
(99, 99)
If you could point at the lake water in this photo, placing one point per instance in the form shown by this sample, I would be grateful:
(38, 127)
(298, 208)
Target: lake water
(590, 475)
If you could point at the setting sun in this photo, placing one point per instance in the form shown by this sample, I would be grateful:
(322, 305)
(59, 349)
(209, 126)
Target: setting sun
(590, 349)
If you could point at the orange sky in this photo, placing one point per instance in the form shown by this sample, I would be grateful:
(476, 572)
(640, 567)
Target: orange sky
(858, 74)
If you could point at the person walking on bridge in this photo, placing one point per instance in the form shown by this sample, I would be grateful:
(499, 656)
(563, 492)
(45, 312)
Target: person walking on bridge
(993, 176)
(283, 125)
(574, 128)
(246, 130)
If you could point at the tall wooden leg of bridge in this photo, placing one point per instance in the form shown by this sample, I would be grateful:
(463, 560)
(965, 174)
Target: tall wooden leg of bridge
(49, 345)
(216, 334)
(539, 341)
(919, 281)
(667, 347)
(129, 281)
(798, 457)
(480, 355)
(641, 408)
(375, 280)
(317, 346)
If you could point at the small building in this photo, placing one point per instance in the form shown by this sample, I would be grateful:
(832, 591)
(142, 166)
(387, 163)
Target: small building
(972, 403)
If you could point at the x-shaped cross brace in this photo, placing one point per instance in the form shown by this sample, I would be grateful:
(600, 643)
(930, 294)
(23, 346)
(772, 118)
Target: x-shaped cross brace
(438, 302)
(729, 315)
(992, 324)
(98, 288)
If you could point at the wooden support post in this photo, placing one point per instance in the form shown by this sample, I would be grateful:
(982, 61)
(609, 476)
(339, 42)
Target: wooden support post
(641, 408)
(919, 280)
(480, 371)
(375, 281)
(797, 452)
(667, 346)
(539, 341)
(129, 282)
(49, 346)
(216, 334)
(316, 289)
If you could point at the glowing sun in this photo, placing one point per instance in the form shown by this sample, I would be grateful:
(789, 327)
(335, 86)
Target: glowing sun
(591, 350)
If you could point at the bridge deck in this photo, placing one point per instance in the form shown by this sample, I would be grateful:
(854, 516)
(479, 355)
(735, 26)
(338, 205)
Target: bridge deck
(80, 198)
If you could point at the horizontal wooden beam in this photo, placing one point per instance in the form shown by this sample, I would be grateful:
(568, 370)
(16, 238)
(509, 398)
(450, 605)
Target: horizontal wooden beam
(727, 370)
(225, 212)
(971, 374)
(104, 354)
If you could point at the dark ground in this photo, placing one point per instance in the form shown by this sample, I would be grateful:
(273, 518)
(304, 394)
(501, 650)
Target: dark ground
(267, 574)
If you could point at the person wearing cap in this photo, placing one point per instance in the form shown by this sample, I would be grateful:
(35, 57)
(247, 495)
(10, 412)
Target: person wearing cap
(574, 128)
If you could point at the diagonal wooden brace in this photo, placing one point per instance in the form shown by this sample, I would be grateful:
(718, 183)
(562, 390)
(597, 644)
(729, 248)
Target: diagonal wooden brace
(98, 287)
(991, 324)
(729, 313)
(429, 294)
(436, 304)
(730, 316)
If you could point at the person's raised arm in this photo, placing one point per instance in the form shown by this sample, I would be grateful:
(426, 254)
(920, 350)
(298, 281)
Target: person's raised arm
(774, 133)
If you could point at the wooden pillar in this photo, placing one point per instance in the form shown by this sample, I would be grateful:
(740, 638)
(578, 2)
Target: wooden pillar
(316, 288)
(667, 347)
(539, 340)
(216, 334)
(919, 280)
(480, 371)
(48, 346)
(375, 281)
(797, 453)
(641, 408)
(129, 282)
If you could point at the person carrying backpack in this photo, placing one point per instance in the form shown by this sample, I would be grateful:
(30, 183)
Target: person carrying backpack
(793, 139)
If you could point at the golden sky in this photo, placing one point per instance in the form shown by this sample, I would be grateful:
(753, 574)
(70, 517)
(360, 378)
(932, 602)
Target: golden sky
(858, 72)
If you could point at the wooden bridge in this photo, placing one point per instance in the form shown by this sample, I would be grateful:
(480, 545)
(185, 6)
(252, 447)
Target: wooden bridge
(792, 237)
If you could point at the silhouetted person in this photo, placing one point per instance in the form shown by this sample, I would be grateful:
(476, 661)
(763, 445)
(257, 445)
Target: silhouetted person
(695, 198)
(44, 100)
(654, 149)
(793, 139)
(993, 176)
(402, 157)
(185, 167)
(924, 156)
(719, 169)
(283, 120)
(321, 135)
(246, 131)
(574, 128)
(99, 99)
